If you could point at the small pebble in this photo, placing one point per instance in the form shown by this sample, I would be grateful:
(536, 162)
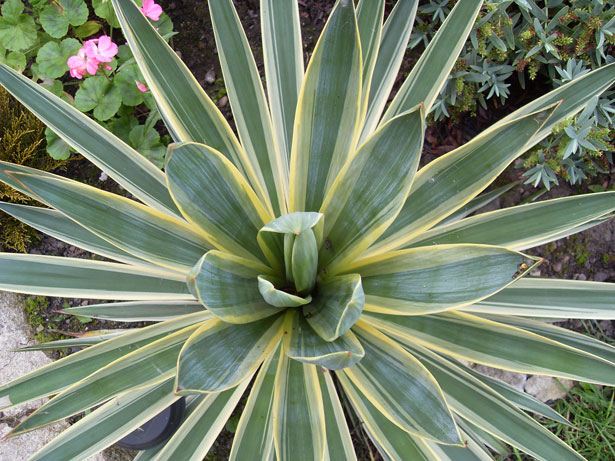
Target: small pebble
(223, 101)
(210, 77)
(601, 276)
(103, 177)
(579, 277)
(557, 267)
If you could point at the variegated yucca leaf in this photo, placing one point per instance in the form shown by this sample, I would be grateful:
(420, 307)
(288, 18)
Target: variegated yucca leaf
(306, 261)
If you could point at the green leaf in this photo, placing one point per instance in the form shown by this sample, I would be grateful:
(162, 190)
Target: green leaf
(87, 29)
(52, 57)
(254, 436)
(55, 224)
(109, 423)
(389, 438)
(12, 9)
(57, 16)
(57, 148)
(370, 15)
(445, 185)
(336, 306)
(228, 286)
(495, 344)
(104, 10)
(82, 278)
(283, 60)
(199, 430)
(523, 226)
(298, 414)
(146, 141)
(146, 233)
(142, 367)
(326, 133)
(304, 261)
(99, 94)
(86, 339)
(431, 71)
(15, 60)
(482, 406)
(249, 104)
(339, 443)
(62, 373)
(551, 298)
(363, 202)
(392, 46)
(303, 344)
(186, 109)
(279, 298)
(220, 355)
(125, 80)
(137, 311)
(195, 174)
(17, 32)
(436, 278)
(401, 388)
(130, 169)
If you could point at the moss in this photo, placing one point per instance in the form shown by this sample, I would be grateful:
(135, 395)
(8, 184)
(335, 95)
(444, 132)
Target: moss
(36, 309)
(22, 141)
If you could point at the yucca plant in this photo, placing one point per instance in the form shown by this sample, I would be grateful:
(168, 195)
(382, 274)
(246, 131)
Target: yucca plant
(304, 260)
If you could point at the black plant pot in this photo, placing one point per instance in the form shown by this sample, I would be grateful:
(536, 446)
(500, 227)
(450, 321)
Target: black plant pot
(157, 430)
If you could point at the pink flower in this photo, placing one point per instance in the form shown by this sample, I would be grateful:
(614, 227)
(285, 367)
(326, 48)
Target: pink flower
(141, 86)
(151, 9)
(102, 48)
(81, 64)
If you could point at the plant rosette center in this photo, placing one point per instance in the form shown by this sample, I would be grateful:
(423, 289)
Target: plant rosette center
(317, 307)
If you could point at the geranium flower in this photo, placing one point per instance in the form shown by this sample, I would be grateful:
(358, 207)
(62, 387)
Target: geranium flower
(101, 49)
(81, 63)
(141, 86)
(151, 9)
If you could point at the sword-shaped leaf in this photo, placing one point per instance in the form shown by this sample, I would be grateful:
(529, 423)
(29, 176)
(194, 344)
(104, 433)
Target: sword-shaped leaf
(147, 365)
(283, 60)
(401, 388)
(432, 279)
(89, 338)
(339, 443)
(370, 15)
(199, 430)
(298, 413)
(120, 161)
(254, 436)
(303, 344)
(55, 224)
(228, 286)
(449, 182)
(214, 197)
(522, 226)
(137, 311)
(187, 110)
(551, 298)
(325, 134)
(392, 46)
(109, 423)
(362, 201)
(484, 407)
(336, 306)
(250, 108)
(495, 344)
(58, 375)
(82, 278)
(431, 71)
(135, 228)
(220, 355)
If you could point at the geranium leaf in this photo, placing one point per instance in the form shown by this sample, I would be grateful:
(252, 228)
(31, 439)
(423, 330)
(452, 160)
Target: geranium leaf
(18, 33)
(125, 80)
(87, 29)
(99, 94)
(146, 141)
(52, 57)
(57, 16)
(104, 10)
(57, 148)
(15, 60)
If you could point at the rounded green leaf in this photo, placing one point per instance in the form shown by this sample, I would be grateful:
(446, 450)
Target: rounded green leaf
(99, 94)
(57, 16)
(52, 57)
(125, 81)
(18, 34)
(15, 60)
(57, 148)
(146, 141)
(87, 29)
(104, 10)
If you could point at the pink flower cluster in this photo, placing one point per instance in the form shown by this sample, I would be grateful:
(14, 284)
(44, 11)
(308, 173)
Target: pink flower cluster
(151, 9)
(92, 53)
